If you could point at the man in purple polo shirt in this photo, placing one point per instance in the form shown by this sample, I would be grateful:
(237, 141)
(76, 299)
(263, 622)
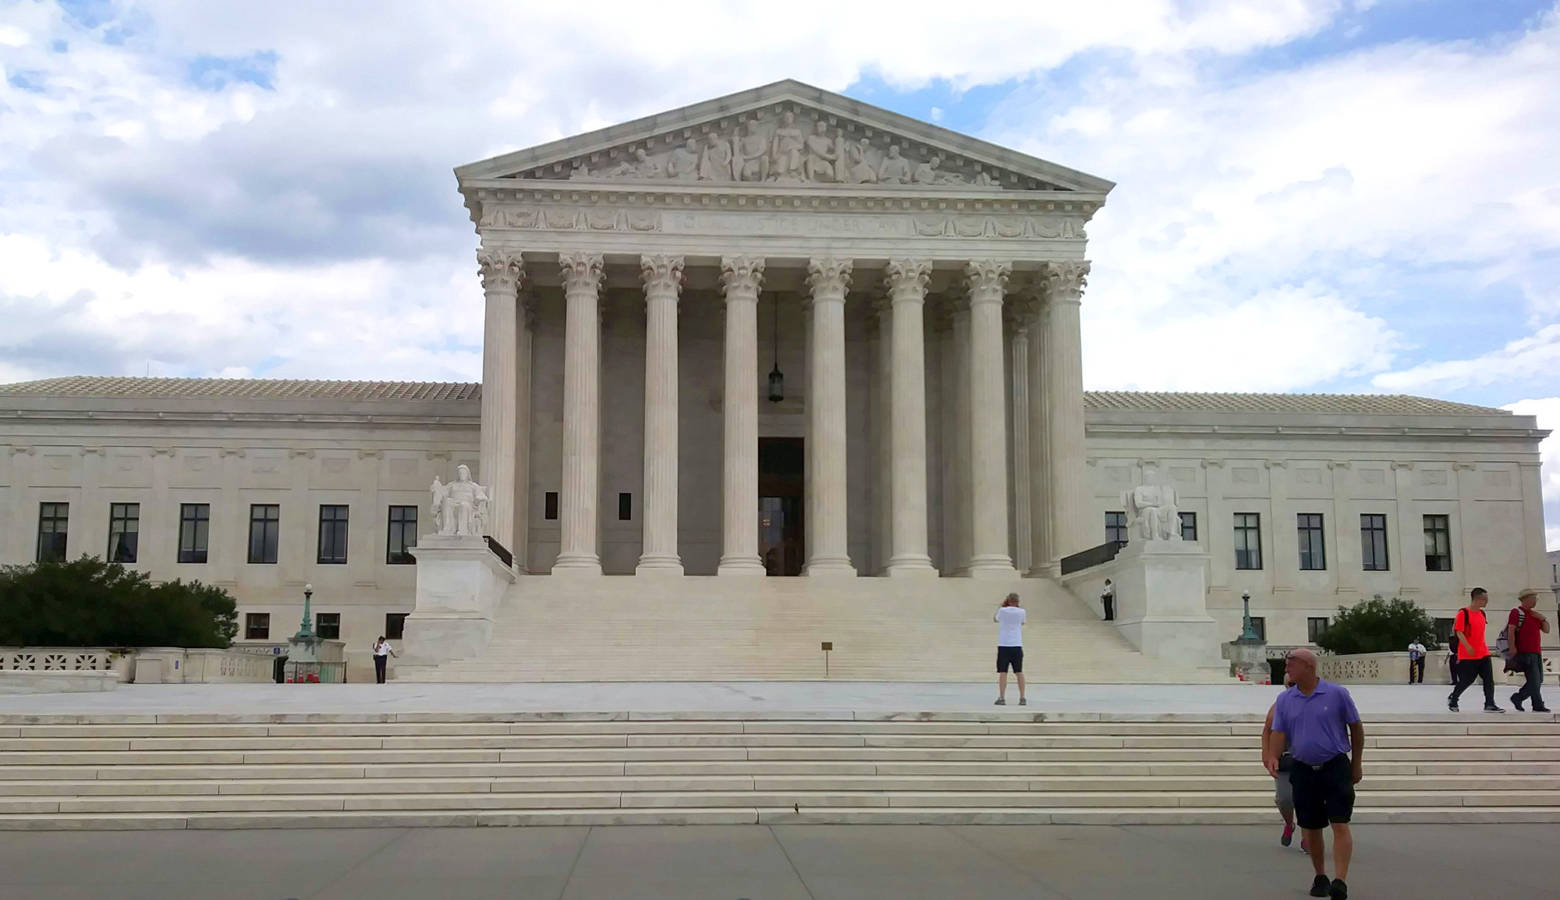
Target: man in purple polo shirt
(1318, 720)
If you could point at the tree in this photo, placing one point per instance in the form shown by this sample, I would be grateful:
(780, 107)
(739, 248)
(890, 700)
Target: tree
(1377, 626)
(91, 603)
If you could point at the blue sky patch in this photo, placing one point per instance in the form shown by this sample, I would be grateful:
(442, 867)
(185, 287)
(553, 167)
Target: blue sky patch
(216, 73)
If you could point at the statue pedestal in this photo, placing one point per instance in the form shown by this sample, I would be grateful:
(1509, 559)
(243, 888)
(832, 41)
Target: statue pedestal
(1248, 660)
(460, 584)
(1162, 600)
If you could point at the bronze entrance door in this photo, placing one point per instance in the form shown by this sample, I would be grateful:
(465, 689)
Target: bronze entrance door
(780, 504)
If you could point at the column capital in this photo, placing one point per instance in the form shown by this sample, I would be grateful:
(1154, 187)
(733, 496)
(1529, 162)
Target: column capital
(662, 273)
(828, 277)
(581, 271)
(741, 275)
(987, 279)
(500, 270)
(906, 279)
(1063, 282)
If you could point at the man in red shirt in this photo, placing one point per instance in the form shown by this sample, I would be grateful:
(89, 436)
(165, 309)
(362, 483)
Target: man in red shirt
(1523, 629)
(1473, 652)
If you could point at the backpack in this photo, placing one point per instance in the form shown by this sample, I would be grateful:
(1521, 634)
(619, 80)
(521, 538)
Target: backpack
(1503, 643)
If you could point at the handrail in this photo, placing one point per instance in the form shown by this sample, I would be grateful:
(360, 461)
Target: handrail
(1091, 557)
(500, 551)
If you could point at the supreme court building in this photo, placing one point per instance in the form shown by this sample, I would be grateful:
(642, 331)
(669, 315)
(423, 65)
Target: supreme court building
(781, 333)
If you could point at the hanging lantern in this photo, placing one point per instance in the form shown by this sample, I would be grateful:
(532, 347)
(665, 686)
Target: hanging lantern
(776, 378)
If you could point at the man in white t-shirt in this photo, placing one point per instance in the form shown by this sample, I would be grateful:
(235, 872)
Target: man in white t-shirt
(1010, 647)
(1416, 662)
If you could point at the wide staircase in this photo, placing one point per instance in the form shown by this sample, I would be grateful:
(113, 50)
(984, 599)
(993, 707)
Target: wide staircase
(694, 628)
(1004, 766)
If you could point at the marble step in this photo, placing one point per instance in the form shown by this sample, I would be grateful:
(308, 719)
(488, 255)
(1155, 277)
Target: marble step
(1439, 815)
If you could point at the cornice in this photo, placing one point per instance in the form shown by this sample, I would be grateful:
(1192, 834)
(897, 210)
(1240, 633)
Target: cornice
(1289, 432)
(103, 417)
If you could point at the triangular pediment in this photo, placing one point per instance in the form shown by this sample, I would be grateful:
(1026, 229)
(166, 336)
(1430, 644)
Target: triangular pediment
(783, 134)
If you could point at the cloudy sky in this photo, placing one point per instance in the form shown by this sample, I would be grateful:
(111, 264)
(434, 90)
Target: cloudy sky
(1314, 195)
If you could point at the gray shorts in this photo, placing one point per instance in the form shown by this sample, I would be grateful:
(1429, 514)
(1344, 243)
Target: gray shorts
(1284, 792)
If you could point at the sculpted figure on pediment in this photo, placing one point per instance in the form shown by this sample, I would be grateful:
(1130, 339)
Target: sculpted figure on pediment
(786, 150)
(683, 162)
(752, 162)
(895, 169)
(823, 154)
(716, 164)
(926, 172)
(853, 165)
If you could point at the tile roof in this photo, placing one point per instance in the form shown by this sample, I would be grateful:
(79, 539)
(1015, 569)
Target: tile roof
(353, 391)
(1335, 404)
(240, 388)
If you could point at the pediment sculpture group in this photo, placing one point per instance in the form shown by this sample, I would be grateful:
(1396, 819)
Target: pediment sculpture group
(787, 154)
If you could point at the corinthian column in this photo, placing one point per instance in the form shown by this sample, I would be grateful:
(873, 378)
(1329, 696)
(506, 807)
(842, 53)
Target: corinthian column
(501, 277)
(663, 277)
(828, 554)
(1016, 315)
(582, 274)
(906, 282)
(1071, 525)
(988, 421)
(740, 277)
(1042, 562)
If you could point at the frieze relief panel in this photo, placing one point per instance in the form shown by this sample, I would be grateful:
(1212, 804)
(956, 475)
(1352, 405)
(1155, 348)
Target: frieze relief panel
(787, 144)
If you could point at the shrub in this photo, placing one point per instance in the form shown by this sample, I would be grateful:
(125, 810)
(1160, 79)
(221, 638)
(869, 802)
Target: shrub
(91, 603)
(1377, 626)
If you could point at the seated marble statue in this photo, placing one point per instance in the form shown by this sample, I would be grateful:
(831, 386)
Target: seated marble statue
(460, 507)
(683, 162)
(1151, 512)
(894, 169)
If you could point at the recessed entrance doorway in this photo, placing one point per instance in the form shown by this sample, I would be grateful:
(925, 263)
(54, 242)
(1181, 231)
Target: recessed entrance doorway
(781, 485)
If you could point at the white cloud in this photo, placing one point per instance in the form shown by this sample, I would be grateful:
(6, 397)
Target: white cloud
(1518, 361)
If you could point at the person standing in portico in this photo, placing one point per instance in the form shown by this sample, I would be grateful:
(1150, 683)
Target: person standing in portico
(1319, 723)
(1010, 647)
(382, 653)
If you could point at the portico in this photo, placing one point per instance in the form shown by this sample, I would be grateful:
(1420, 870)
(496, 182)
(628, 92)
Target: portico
(915, 285)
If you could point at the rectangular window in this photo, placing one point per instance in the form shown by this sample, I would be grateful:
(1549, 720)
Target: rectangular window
(1259, 625)
(395, 625)
(402, 536)
(333, 534)
(1443, 631)
(625, 507)
(1438, 544)
(1188, 526)
(265, 527)
(328, 625)
(1373, 542)
(124, 531)
(550, 506)
(194, 531)
(1315, 627)
(257, 626)
(1116, 527)
(53, 524)
(1313, 546)
(1248, 540)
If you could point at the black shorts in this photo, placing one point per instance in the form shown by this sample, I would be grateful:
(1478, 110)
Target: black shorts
(1010, 656)
(1323, 795)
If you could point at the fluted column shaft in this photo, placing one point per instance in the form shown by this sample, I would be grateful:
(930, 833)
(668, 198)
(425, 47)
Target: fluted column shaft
(740, 276)
(582, 275)
(1041, 559)
(906, 282)
(501, 278)
(826, 484)
(988, 421)
(1022, 520)
(1071, 527)
(663, 283)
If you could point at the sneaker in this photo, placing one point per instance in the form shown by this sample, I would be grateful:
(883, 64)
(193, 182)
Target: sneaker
(1516, 701)
(1022, 702)
(1339, 891)
(1493, 708)
(1451, 704)
(1001, 702)
(1320, 886)
(1288, 837)
(1541, 709)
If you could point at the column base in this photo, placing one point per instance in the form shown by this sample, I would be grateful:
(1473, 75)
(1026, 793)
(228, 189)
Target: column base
(911, 566)
(577, 564)
(991, 568)
(659, 565)
(745, 566)
(833, 566)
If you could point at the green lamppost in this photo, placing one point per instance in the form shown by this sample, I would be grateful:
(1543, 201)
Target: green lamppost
(306, 627)
(1248, 634)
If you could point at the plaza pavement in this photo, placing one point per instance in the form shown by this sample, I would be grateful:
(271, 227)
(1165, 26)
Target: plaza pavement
(756, 697)
(751, 861)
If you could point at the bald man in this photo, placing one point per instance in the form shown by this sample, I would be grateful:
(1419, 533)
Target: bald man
(1318, 721)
